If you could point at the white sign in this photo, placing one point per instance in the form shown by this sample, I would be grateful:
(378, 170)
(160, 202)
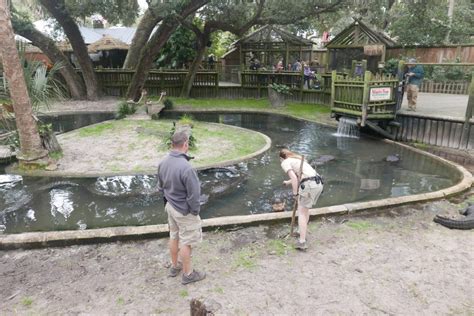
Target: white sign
(380, 94)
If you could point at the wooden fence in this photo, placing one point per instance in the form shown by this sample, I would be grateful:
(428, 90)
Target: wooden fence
(451, 87)
(434, 131)
(115, 81)
(365, 98)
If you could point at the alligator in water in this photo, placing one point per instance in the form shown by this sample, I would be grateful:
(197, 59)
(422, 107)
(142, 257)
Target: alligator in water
(464, 223)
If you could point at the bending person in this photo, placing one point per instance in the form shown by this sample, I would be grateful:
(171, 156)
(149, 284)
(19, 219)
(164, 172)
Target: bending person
(307, 192)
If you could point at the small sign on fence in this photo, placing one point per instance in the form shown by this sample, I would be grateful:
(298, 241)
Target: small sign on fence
(380, 94)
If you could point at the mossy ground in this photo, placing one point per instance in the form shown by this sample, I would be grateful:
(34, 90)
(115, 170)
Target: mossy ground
(136, 146)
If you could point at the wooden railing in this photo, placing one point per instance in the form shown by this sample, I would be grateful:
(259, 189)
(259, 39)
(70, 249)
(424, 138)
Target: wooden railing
(365, 98)
(264, 78)
(451, 87)
(116, 81)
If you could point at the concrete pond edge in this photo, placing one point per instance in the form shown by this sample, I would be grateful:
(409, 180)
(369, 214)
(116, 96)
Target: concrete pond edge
(109, 234)
(70, 237)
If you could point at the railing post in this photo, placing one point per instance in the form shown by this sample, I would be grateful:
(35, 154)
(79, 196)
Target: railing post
(302, 83)
(259, 88)
(217, 84)
(333, 87)
(162, 83)
(469, 111)
(365, 98)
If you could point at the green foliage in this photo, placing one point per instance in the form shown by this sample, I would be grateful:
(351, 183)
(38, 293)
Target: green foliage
(114, 11)
(124, 110)
(427, 23)
(184, 120)
(96, 130)
(279, 247)
(56, 155)
(280, 88)
(221, 42)
(179, 50)
(360, 225)
(27, 301)
(184, 293)
(246, 258)
(168, 103)
(391, 67)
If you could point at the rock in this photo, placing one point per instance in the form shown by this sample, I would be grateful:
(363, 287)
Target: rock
(51, 167)
(321, 160)
(203, 307)
(393, 158)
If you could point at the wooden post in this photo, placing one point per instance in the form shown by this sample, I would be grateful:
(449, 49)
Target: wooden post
(217, 84)
(469, 111)
(162, 81)
(365, 98)
(333, 87)
(384, 51)
(258, 85)
(287, 58)
(302, 83)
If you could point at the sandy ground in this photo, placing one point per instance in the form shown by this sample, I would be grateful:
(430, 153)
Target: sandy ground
(106, 104)
(395, 262)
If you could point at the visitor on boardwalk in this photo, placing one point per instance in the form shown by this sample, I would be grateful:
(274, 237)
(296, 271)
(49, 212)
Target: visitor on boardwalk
(181, 190)
(307, 191)
(415, 74)
(297, 65)
(279, 66)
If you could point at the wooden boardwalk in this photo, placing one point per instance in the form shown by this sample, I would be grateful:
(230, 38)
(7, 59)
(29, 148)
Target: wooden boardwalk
(438, 105)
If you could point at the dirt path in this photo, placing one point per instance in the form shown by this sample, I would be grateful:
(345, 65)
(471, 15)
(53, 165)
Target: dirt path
(396, 262)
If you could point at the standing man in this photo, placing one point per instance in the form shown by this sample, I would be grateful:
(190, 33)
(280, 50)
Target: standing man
(181, 190)
(415, 76)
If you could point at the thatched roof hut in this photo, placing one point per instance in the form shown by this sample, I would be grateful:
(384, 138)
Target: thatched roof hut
(107, 42)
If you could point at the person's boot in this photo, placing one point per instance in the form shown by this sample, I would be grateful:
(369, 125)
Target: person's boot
(194, 276)
(301, 245)
(174, 271)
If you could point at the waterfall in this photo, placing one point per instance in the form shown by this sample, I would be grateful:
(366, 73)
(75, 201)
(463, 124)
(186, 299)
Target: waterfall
(347, 127)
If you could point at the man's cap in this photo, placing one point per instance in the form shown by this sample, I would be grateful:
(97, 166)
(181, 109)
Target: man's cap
(411, 61)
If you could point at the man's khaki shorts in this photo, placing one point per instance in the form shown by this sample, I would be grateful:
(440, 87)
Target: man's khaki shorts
(185, 228)
(310, 194)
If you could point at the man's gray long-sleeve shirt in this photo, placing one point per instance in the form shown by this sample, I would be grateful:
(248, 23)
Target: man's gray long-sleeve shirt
(179, 183)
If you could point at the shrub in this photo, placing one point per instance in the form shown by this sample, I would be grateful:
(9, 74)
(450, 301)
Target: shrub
(188, 121)
(280, 88)
(168, 103)
(124, 110)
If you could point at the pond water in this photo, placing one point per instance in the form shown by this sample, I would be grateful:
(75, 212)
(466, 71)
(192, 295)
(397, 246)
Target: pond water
(355, 169)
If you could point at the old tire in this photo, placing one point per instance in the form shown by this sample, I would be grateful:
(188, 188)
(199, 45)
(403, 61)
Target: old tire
(465, 223)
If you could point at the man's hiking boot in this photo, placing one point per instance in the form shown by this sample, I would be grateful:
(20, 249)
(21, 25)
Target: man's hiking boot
(194, 276)
(174, 271)
(301, 245)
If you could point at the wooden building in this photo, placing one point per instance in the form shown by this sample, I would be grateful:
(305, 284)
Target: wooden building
(358, 42)
(268, 44)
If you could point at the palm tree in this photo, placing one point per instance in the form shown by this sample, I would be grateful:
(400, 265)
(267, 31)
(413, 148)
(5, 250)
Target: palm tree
(31, 149)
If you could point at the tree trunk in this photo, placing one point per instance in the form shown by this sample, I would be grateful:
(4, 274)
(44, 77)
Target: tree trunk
(147, 57)
(30, 142)
(153, 47)
(202, 48)
(47, 45)
(58, 10)
(142, 34)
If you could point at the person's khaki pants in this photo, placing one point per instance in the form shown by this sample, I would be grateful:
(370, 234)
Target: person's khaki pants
(412, 95)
